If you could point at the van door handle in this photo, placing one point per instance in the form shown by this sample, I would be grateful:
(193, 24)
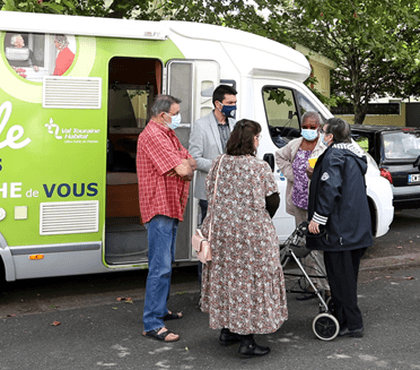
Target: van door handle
(269, 158)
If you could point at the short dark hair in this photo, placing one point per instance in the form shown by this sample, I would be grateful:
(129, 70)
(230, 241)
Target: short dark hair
(241, 140)
(220, 92)
(340, 130)
(163, 103)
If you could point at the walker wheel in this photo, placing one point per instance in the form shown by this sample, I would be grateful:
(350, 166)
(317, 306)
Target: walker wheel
(325, 326)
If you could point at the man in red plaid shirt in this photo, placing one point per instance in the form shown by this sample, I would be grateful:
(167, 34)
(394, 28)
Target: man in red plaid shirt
(164, 171)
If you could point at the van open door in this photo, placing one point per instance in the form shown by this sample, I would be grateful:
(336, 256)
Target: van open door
(192, 81)
(130, 96)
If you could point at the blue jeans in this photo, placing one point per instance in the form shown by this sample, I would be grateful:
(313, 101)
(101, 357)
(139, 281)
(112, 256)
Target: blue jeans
(161, 236)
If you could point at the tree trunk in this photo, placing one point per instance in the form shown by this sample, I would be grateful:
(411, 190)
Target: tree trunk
(360, 111)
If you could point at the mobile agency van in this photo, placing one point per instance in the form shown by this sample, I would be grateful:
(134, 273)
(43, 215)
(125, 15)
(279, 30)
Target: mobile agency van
(73, 105)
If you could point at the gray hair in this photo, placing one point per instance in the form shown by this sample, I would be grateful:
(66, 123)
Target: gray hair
(62, 40)
(311, 114)
(14, 38)
(340, 130)
(163, 103)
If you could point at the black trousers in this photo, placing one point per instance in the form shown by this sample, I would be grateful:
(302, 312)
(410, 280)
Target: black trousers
(343, 272)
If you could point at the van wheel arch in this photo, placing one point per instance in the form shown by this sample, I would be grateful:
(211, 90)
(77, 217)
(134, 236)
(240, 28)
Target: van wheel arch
(2, 275)
(373, 216)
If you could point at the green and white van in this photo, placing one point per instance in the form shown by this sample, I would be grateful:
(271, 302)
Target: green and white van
(71, 112)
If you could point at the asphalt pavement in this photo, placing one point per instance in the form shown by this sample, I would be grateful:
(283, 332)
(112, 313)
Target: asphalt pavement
(108, 335)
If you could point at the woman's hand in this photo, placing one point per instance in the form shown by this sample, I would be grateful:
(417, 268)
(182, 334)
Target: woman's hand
(309, 172)
(313, 227)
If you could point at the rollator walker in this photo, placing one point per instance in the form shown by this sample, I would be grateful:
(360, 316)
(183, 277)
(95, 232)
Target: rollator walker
(325, 325)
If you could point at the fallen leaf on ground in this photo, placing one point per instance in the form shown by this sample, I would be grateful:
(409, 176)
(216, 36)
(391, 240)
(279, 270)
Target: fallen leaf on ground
(124, 299)
(56, 323)
(399, 247)
(409, 278)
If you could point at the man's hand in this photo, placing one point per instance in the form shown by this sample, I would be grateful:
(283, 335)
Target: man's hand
(192, 162)
(185, 170)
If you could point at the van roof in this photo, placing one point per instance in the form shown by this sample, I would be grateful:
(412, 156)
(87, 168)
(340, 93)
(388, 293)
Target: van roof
(253, 55)
(82, 26)
(259, 56)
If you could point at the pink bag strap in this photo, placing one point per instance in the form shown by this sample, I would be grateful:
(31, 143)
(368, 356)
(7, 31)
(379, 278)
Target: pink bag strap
(214, 195)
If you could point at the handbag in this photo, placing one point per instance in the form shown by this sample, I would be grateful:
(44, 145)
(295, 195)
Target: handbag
(201, 244)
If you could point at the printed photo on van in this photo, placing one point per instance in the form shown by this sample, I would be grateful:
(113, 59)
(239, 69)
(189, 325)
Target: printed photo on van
(33, 55)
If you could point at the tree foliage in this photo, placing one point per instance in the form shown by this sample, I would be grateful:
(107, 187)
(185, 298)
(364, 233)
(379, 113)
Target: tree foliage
(375, 45)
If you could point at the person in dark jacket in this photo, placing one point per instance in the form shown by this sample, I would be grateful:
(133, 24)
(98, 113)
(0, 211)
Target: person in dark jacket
(339, 207)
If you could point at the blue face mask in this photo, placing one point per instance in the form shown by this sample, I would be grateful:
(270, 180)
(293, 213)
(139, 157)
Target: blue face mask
(309, 135)
(229, 110)
(175, 121)
(323, 141)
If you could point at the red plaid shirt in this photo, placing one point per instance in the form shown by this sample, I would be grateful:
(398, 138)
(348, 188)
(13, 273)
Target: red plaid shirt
(159, 151)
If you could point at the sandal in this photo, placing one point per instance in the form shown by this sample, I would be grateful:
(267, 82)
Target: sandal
(173, 316)
(154, 334)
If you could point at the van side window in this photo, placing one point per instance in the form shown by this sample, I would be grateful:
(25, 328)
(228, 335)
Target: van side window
(305, 105)
(281, 112)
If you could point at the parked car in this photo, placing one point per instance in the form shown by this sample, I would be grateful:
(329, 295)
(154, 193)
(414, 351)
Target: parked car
(396, 150)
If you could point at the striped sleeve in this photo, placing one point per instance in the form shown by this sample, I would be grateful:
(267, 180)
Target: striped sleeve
(322, 220)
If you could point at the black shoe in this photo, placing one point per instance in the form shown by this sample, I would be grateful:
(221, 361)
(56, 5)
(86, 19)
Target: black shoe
(305, 296)
(227, 337)
(253, 349)
(346, 332)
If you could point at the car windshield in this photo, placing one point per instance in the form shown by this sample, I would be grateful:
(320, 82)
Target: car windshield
(401, 144)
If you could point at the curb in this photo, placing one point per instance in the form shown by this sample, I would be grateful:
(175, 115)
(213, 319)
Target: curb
(411, 259)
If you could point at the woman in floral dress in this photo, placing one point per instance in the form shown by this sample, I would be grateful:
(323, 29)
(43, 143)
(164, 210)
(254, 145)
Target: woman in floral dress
(243, 287)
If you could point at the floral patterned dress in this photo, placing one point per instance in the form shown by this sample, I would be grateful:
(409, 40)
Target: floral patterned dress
(300, 193)
(243, 286)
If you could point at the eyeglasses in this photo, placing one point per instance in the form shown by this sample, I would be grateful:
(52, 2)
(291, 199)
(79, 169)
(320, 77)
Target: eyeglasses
(324, 132)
